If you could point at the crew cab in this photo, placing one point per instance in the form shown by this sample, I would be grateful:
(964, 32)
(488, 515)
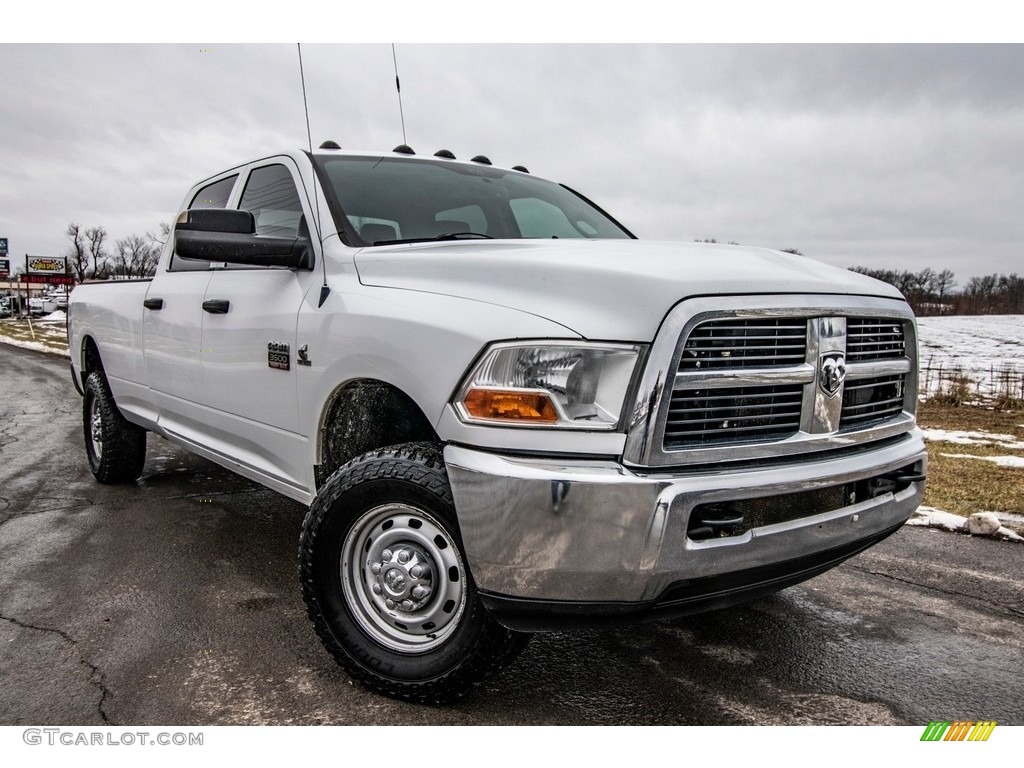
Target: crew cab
(506, 413)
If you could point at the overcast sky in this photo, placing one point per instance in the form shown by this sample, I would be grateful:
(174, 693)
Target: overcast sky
(904, 157)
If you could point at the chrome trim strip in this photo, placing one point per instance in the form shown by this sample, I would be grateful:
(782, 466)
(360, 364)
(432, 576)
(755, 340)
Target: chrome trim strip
(744, 377)
(826, 339)
(869, 370)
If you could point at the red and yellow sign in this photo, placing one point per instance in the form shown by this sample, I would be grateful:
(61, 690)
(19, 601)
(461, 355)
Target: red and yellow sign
(48, 279)
(45, 265)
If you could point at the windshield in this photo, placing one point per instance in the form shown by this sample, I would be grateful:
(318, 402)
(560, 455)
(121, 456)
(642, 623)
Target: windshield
(396, 199)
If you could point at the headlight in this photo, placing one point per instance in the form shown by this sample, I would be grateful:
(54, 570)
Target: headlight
(549, 384)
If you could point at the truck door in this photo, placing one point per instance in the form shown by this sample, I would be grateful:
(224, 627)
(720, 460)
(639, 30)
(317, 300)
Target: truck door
(172, 328)
(249, 360)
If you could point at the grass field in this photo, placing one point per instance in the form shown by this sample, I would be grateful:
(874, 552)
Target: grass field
(962, 476)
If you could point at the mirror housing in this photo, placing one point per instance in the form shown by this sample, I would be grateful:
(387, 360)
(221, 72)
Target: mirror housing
(221, 234)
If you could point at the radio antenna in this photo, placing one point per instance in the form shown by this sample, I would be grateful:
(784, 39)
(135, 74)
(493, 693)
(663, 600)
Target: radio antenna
(305, 106)
(324, 289)
(398, 87)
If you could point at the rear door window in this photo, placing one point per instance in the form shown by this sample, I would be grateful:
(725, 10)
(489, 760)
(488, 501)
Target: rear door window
(271, 197)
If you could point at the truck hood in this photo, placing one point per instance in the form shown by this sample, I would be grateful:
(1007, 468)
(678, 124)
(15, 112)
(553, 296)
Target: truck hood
(601, 289)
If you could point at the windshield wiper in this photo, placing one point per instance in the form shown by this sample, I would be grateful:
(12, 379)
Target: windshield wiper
(462, 236)
(445, 236)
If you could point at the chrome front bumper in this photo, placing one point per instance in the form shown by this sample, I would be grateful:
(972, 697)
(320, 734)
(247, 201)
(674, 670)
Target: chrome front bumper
(594, 532)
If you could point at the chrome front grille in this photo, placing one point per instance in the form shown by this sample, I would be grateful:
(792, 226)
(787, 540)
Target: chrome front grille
(871, 400)
(736, 414)
(738, 343)
(874, 338)
(742, 381)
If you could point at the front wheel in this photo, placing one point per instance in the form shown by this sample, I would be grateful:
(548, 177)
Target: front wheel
(116, 448)
(386, 584)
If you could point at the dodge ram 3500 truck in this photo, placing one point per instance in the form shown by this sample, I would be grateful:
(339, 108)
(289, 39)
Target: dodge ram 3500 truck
(506, 413)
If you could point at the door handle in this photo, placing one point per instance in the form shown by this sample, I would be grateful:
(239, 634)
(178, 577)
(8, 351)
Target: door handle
(217, 306)
(153, 303)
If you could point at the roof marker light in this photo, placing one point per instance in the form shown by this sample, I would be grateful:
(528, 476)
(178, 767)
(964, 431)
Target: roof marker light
(482, 160)
(330, 145)
(445, 154)
(404, 149)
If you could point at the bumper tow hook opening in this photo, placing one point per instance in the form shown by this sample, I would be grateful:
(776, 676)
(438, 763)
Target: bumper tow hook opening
(715, 520)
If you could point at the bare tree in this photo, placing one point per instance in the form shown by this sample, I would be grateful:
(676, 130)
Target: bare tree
(979, 294)
(96, 236)
(1011, 293)
(135, 256)
(77, 255)
(943, 285)
(161, 239)
(149, 263)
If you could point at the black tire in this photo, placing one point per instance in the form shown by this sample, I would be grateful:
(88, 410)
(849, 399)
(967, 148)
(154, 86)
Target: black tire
(116, 448)
(385, 582)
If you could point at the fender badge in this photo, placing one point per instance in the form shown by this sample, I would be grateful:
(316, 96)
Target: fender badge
(279, 356)
(304, 355)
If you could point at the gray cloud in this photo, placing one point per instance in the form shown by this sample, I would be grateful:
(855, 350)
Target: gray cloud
(901, 156)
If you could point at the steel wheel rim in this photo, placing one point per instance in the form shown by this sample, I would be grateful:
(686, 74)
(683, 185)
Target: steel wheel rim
(403, 577)
(96, 428)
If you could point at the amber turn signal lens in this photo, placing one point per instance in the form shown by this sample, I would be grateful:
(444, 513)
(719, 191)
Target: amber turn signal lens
(510, 406)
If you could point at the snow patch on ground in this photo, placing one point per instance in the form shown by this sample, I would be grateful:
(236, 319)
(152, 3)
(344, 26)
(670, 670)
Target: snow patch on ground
(56, 316)
(35, 346)
(963, 437)
(935, 518)
(1015, 462)
(929, 517)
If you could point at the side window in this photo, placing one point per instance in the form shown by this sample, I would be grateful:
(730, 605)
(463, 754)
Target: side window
(216, 195)
(271, 198)
(211, 196)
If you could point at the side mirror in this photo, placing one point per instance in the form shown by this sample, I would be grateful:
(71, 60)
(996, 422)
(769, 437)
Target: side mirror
(220, 234)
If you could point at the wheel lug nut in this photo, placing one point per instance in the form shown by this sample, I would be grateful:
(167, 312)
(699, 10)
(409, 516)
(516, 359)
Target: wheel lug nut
(375, 568)
(389, 603)
(416, 571)
(407, 605)
(386, 555)
(403, 556)
(376, 589)
(419, 592)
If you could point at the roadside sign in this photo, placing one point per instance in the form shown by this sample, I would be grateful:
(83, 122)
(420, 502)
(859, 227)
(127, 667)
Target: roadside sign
(5, 268)
(3, 246)
(51, 279)
(45, 265)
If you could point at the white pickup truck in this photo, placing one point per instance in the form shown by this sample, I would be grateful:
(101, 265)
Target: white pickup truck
(505, 413)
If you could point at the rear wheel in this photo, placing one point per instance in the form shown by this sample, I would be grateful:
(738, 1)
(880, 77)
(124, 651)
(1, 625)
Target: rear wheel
(116, 448)
(386, 583)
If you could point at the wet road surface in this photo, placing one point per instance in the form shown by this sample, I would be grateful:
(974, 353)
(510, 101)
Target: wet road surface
(176, 601)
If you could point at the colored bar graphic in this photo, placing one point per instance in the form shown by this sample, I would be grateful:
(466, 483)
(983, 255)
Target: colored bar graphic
(958, 730)
(982, 731)
(935, 730)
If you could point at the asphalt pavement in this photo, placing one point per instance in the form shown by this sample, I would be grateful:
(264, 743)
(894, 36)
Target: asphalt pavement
(176, 601)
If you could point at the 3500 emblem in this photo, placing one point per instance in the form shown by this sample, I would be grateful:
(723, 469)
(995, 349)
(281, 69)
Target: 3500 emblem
(279, 356)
